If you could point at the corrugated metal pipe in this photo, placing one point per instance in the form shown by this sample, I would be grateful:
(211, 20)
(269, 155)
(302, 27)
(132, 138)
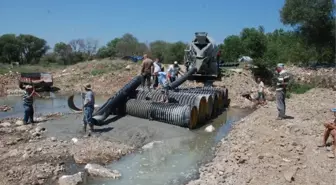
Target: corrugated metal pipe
(196, 100)
(172, 113)
(116, 101)
(215, 96)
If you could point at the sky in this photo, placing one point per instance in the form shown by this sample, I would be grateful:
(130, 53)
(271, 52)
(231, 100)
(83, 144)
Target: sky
(148, 20)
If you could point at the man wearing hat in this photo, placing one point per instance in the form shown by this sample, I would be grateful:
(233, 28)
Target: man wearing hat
(28, 101)
(281, 89)
(88, 107)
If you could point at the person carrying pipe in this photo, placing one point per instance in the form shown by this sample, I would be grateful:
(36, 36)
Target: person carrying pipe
(147, 70)
(28, 101)
(88, 108)
(173, 71)
(281, 89)
(157, 69)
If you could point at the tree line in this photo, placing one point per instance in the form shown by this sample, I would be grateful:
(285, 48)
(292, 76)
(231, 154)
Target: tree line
(312, 39)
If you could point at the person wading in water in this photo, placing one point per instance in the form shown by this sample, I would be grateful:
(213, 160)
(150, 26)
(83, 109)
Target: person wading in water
(28, 101)
(88, 108)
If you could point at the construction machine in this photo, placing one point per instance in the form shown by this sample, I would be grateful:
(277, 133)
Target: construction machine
(203, 56)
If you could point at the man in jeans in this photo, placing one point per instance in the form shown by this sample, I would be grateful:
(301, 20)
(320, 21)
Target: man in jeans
(281, 89)
(147, 70)
(88, 108)
(28, 101)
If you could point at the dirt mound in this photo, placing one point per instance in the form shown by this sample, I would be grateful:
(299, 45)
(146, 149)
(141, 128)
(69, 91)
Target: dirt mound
(262, 150)
(323, 77)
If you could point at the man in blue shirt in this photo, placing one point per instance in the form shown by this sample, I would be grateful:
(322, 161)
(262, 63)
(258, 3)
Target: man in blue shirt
(28, 101)
(88, 108)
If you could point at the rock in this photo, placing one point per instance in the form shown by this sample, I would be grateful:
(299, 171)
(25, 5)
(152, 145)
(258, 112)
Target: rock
(331, 156)
(5, 124)
(19, 122)
(22, 128)
(128, 67)
(151, 144)
(39, 129)
(53, 139)
(76, 179)
(100, 171)
(210, 128)
(290, 173)
(74, 140)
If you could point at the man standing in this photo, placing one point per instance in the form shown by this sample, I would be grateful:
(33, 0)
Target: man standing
(164, 83)
(147, 70)
(157, 69)
(28, 101)
(281, 88)
(88, 108)
(261, 94)
(173, 71)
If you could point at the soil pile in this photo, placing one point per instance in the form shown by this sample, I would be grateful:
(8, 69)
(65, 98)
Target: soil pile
(262, 150)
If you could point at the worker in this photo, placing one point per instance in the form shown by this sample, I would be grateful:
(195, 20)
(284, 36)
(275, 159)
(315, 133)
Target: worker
(330, 129)
(88, 108)
(157, 69)
(173, 71)
(28, 101)
(281, 88)
(164, 84)
(261, 91)
(147, 70)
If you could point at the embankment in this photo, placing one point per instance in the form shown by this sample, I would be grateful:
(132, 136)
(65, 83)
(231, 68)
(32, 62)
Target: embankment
(262, 150)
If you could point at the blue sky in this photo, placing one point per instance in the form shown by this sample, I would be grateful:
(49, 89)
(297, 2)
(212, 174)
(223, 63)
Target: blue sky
(148, 20)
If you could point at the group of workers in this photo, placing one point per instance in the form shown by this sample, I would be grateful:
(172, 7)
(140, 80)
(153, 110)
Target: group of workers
(154, 70)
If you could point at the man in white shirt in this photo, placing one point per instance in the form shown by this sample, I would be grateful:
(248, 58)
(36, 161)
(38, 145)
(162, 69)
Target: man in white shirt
(173, 71)
(157, 69)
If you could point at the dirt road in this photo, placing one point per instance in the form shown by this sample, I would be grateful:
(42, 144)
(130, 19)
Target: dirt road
(262, 150)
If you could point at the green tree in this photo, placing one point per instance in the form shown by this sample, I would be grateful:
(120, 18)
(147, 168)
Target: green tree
(159, 49)
(254, 41)
(32, 48)
(175, 52)
(9, 48)
(64, 52)
(232, 48)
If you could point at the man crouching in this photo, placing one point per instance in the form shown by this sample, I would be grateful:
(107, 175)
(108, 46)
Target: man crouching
(330, 129)
(88, 108)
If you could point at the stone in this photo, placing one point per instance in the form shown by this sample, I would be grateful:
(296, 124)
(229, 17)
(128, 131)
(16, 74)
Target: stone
(5, 124)
(53, 139)
(19, 122)
(22, 128)
(39, 129)
(290, 173)
(210, 128)
(76, 179)
(100, 171)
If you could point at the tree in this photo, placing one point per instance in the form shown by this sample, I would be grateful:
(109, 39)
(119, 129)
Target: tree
(314, 20)
(127, 45)
(254, 41)
(176, 52)
(232, 48)
(159, 49)
(32, 48)
(91, 46)
(9, 48)
(63, 51)
(77, 45)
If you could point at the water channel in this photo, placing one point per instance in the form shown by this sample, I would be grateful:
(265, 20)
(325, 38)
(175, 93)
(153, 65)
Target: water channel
(173, 158)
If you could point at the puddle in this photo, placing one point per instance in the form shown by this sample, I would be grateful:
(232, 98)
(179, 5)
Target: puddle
(56, 103)
(174, 160)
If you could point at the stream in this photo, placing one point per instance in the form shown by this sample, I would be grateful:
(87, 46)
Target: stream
(171, 156)
(174, 160)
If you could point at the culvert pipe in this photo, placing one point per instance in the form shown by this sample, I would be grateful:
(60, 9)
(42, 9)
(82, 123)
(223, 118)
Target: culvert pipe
(215, 95)
(209, 105)
(196, 100)
(116, 101)
(218, 91)
(171, 113)
(224, 93)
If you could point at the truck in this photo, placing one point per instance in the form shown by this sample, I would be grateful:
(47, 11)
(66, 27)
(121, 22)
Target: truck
(37, 80)
(203, 54)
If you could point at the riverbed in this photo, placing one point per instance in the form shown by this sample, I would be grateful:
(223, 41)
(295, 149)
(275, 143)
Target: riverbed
(166, 154)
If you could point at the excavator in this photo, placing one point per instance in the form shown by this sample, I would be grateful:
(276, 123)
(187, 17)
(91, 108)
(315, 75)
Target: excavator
(202, 64)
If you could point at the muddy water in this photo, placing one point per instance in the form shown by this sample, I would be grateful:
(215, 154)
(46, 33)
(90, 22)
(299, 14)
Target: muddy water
(172, 160)
(54, 103)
